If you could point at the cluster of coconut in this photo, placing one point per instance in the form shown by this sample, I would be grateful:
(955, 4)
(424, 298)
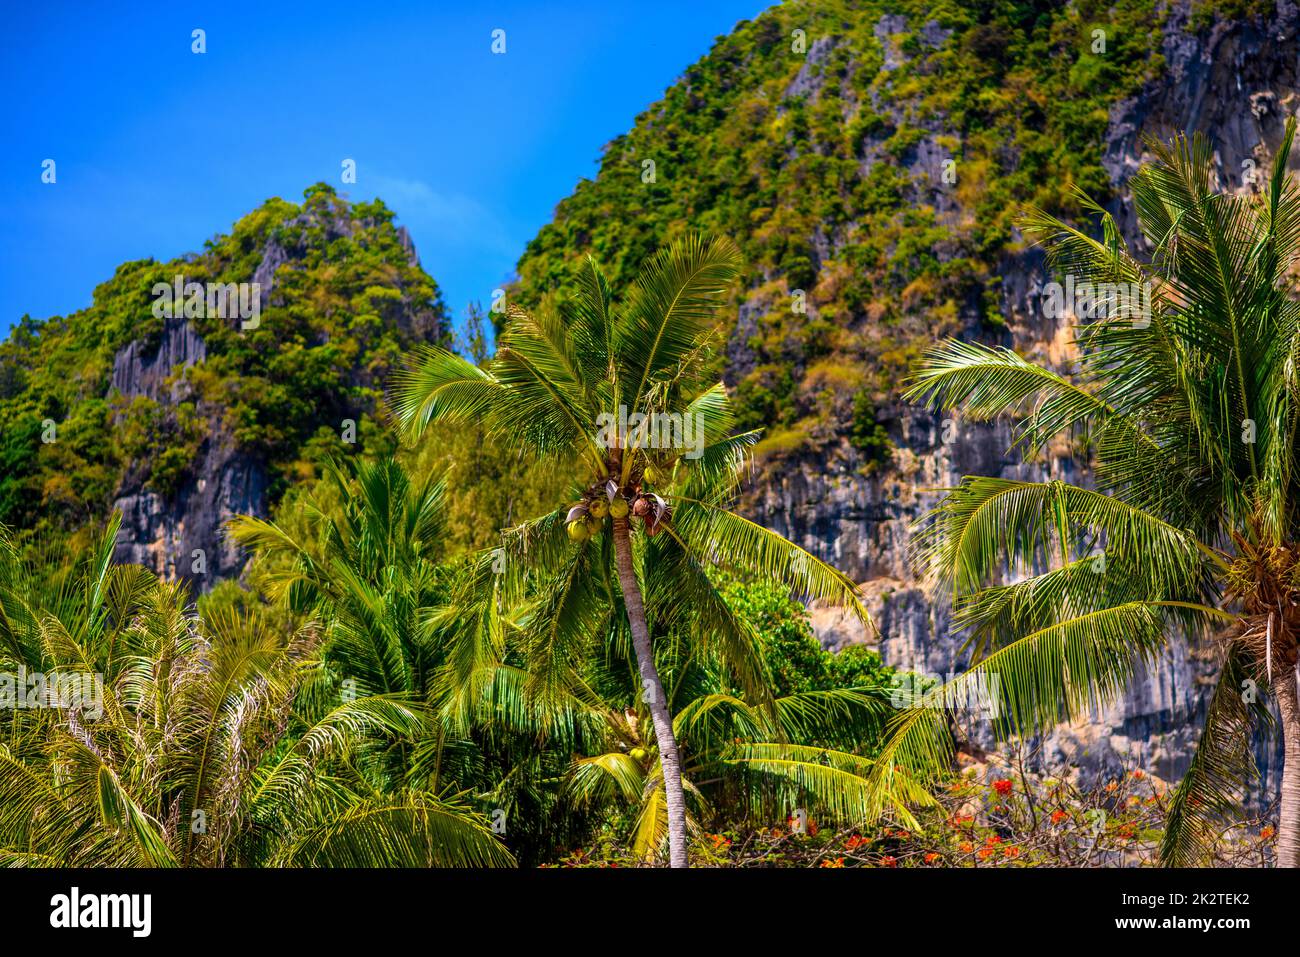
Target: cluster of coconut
(609, 501)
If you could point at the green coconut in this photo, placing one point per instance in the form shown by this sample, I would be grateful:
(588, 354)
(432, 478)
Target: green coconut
(652, 475)
(599, 508)
(578, 531)
(637, 754)
(618, 507)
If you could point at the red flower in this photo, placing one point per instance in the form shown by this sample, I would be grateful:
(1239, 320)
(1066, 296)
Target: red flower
(888, 861)
(1002, 786)
(931, 857)
(855, 842)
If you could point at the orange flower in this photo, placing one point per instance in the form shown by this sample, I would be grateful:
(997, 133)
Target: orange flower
(1011, 852)
(903, 835)
(1112, 785)
(1138, 774)
(993, 839)
(837, 862)
(967, 847)
(1266, 832)
(888, 861)
(1002, 786)
(1058, 816)
(986, 853)
(855, 842)
(931, 857)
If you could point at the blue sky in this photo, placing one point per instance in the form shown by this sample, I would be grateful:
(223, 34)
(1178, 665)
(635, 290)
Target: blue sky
(158, 149)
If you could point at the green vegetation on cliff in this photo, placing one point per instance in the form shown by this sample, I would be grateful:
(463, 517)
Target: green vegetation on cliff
(344, 303)
(818, 137)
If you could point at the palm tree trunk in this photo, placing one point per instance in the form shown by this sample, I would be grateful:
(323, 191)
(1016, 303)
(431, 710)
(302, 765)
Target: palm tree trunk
(669, 759)
(1288, 829)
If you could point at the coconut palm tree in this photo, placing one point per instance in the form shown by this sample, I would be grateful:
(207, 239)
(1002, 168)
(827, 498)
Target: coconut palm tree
(627, 399)
(1183, 393)
(198, 742)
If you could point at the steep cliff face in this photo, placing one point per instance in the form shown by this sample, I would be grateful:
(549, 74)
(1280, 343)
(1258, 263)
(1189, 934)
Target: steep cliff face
(870, 159)
(180, 536)
(184, 410)
(1236, 83)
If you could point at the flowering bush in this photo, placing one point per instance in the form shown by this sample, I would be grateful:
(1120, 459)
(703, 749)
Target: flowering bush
(1012, 821)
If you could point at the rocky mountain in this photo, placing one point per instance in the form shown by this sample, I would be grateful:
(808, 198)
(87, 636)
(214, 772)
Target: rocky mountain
(1236, 82)
(194, 390)
(869, 157)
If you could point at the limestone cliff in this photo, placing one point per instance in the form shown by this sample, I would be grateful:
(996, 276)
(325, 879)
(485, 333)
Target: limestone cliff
(229, 469)
(1236, 83)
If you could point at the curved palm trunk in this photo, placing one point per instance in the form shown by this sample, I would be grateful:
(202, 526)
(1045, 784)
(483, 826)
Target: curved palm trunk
(669, 759)
(1288, 829)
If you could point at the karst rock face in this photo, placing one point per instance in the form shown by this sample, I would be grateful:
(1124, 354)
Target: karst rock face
(180, 536)
(180, 533)
(1236, 82)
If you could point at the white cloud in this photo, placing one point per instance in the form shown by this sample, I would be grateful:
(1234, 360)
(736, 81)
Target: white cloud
(436, 218)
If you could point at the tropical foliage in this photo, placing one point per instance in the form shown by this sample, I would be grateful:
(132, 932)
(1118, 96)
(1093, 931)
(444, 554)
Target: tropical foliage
(621, 395)
(1185, 398)
(204, 742)
(331, 727)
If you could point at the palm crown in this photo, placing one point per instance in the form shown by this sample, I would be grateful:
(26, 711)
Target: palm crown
(1185, 396)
